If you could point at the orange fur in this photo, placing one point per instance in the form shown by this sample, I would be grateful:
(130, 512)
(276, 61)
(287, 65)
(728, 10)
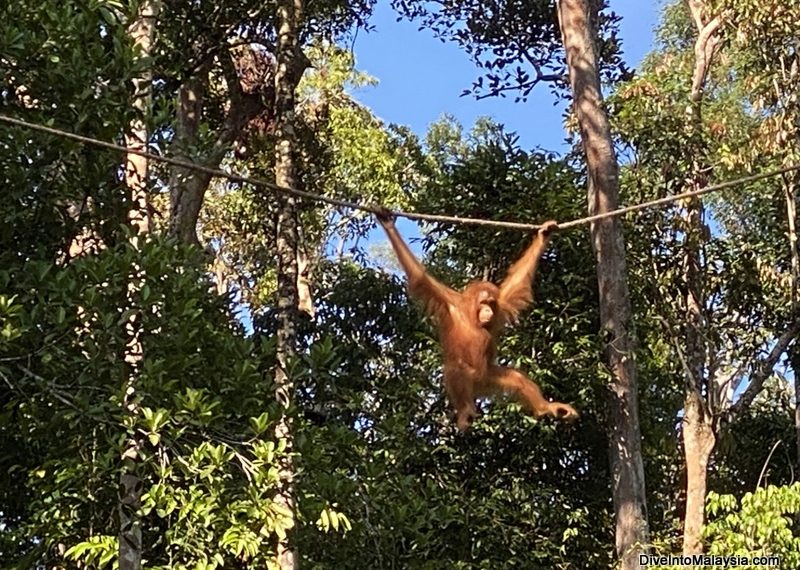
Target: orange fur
(469, 345)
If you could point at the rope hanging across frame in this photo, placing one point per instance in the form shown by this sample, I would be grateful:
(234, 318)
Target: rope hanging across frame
(377, 209)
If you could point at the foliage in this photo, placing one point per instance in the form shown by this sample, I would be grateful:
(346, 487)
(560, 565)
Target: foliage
(762, 39)
(383, 478)
(759, 448)
(209, 461)
(761, 523)
(515, 45)
(485, 174)
(345, 152)
(377, 441)
(63, 65)
(66, 65)
(350, 153)
(743, 253)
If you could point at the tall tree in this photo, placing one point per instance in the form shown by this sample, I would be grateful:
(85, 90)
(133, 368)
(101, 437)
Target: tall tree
(518, 46)
(142, 33)
(698, 417)
(199, 436)
(709, 390)
(722, 303)
(56, 191)
(578, 19)
(767, 55)
(290, 66)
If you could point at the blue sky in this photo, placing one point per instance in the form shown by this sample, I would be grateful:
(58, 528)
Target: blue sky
(421, 78)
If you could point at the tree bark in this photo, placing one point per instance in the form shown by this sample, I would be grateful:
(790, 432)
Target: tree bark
(142, 32)
(287, 77)
(188, 187)
(697, 423)
(698, 443)
(794, 353)
(628, 485)
(698, 429)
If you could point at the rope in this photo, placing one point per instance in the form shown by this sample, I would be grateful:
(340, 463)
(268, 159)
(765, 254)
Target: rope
(373, 209)
(260, 182)
(676, 197)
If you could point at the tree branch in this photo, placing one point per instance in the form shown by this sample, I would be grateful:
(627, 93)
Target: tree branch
(762, 369)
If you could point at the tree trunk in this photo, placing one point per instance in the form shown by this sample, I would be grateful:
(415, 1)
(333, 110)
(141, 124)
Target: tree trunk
(188, 187)
(287, 77)
(699, 431)
(794, 353)
(697, 428)
(142, 32)
(698, 443)
(628, 485)
(794, 362)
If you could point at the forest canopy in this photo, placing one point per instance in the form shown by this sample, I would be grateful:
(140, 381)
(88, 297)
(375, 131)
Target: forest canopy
(198, 372)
